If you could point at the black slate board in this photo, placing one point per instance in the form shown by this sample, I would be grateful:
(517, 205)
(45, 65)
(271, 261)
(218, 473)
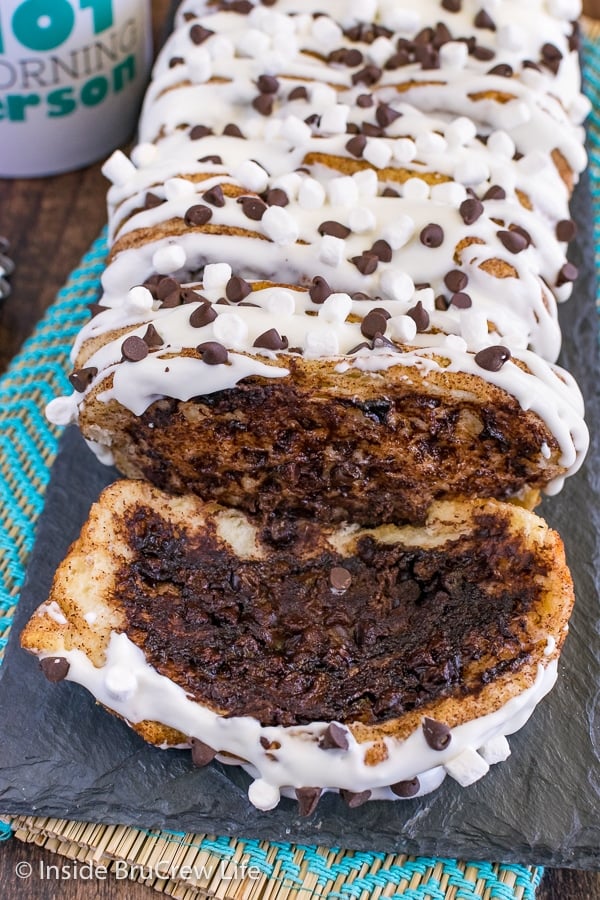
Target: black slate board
(60, 755)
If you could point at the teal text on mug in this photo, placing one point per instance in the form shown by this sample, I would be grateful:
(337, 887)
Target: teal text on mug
(72, 74)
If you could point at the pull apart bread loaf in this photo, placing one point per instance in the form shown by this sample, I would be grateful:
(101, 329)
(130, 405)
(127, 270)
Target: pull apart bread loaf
(368, 661)
(335, 261)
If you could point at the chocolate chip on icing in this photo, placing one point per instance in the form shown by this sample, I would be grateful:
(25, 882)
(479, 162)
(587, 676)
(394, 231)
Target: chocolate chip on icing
(202, 754)
(298, 93)
(271, 340)
(375, 322)
(460, 300)
(568, 273)
(200, 131)
(551, 57)
(432, 235)
(199, 34)
(319, 290)
(493, 358)
(253, 207)
(366, 263)
(354, 800)
(213, 353)
(356, 145)
(214, 196)
(566, 230)
(397, 60)
(334, 229)
(264, 104)
(237, 289)
(55, 668)
(483, 53)
(382, 251)
(276, 197)
(390, 192)
(176, 61)
(152, 338)
(513, 241)
(82, 378)
(364, 101)
(340, 579)
(452, 5)
(518, 229)
(198, 215)
(471, 210)
(335, 737)
(484, 20)
(203, 315)
(153, 200)
(369, 75)
(190, 296)
(212, 158)
(456, 280)
(502, 69)
(441, 303)
(420, 316)
(371, 130)
(134, 349)
(350, 57)
(385, 114)
(406, 789)
(495, 192)
(308, 799)
(233, 130)
(165, 287)
(437, 735)
(267, 84)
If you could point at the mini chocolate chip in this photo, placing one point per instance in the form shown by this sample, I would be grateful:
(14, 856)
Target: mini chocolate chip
(420, 316)
(200, 131)
(55, 668)
(190, 296)
(152, 338)
(441, 35)
(523, 232)
(495, 192)
(253, 207)
(382, 251)
(237, 289)
(397, 60)
(263, 104)
(214, 196)
(427, 57)
(334, 229)
(265, 743)
(233, 130)
(502, 69)
(366, 263)
(551, 52)
(360, 295)
(202, 315)
(530, 64)
(362, 346)
(276, 197)
(243, 7)
(340, 579)
(372, 130)
(452, 5)
(335, 737)
(165, 288)
(171, 300)
(456, 280)
(484, 20)
(176, 61)
(470, 210)
(460, 300)
(267, 84)
(313, 120)
(441, 303)
(199, 34)
(568, 273)
(212, 158)
(202, 754)
(271, 340)
(82, 378)
(198, 215)
(308, 799)
(364, 101)
(319, 290)
(437, 735)
(432, 235)
(354, 800)
(406, 789)
(298, 93)
(483, 53)
(380, 341)
(213, 353)
(356, 145)
(369, 75)
(374, 323)
(566, 230)
(493, 358)
(390, 192)
(153, 200)
(134, 349)
(513, 241)
(385, 115)
(423, 37)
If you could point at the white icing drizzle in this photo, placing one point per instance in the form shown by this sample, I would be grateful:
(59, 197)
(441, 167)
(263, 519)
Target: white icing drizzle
(133, 689)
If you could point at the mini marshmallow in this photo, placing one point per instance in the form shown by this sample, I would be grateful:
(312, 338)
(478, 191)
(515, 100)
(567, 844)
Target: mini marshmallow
(471, 171)
(429, 143)
(253, 43)
(120, 683)
(63, 410)
(397, 285)
(402, 328)
(220, 47)
(361, 219)
(449, 192)
(380, 51)
(360, 11)
(169, 259)
(294, 130)
(311, 194)
(322, 96)
(426, 296)
(513, 114)
(280, 226)
(321, 343)
(144, 155)
(405, 150)
(270, 63)
(331, 250)
(378, 152)
(474, 328)
(272, 129)
(455, 342)
(175, 188)
(139, 300)
(263, 796)
(496, 750)
(399, 232)
(453, 55)
(336, 308)
(501, 143)
(415, 189)
(467, 768)
(118, 169)
(533, 162)
(216, 276)
(367, 183)
(510, 37)
(199, 65)
(342, 191)
(289, 183)
(565, 9)
(251, 176)
(230, 329)
(327, 33)
(334, 119)
(579, 109)
(403, 20)
(280, 302)
(461, 131)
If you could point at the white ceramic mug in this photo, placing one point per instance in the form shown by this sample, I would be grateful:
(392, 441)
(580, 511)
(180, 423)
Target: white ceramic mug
(72, 76)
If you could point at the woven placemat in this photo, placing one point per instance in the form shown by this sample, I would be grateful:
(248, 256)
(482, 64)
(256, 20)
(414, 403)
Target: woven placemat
(182, 865)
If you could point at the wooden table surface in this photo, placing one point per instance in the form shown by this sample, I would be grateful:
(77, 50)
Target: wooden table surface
(50, 223)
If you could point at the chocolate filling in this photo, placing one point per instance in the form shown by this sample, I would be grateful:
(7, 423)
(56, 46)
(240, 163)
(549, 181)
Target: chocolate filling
(269, 638)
